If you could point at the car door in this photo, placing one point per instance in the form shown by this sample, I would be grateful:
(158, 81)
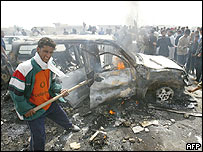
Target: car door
(69, 59)
(114, 80)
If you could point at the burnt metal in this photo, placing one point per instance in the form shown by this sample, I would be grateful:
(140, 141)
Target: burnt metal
(96, 57)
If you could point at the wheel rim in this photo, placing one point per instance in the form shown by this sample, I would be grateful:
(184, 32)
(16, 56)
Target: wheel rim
(164, 95)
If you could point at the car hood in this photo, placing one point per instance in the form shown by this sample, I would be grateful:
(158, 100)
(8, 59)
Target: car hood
(156, 62)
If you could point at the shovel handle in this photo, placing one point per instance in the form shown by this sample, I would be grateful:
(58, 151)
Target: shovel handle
(60, 95)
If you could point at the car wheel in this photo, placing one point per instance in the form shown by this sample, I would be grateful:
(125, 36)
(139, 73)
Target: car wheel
(164, 95)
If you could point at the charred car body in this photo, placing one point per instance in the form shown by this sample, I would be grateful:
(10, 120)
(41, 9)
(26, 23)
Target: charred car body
(116, 73)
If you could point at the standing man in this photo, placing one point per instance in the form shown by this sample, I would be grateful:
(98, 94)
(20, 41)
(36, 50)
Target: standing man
(191, 61)
(101, 32)
(164, 42)
(65, 32)
(32, 84)
(182, 49)
(171, 49)
(23, 32)
(42, 32)
(17, 32)
(151, 42)
(199, 59)
(179, 34)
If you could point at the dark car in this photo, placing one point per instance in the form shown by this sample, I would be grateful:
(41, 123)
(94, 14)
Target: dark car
(10, 39)
(117, 73)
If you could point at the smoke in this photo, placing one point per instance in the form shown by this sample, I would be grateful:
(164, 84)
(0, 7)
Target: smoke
(132, 16)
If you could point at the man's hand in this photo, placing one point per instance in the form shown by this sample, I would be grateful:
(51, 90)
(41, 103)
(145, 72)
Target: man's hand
(30, 113)
(65, 91)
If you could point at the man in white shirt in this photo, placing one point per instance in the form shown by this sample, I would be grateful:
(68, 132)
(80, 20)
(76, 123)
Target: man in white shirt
(171, 49)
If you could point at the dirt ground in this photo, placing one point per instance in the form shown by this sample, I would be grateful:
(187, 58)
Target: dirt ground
(169, 132)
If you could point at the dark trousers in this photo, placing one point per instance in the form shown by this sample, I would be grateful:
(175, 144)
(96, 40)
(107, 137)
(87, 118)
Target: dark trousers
(182, 59)
(164, 52)
(175, 54)
(37, 126)
(190, 65)
(198, 68)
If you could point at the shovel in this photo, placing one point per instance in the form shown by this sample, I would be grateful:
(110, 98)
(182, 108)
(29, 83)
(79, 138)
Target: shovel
(60, 95)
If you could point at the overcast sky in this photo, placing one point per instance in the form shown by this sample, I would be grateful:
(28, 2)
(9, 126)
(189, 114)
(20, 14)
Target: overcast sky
(28, 14)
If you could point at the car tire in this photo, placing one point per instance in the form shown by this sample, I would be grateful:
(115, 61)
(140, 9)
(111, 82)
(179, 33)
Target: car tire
(162, 94)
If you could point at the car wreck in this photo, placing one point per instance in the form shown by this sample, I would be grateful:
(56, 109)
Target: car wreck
(114, 71)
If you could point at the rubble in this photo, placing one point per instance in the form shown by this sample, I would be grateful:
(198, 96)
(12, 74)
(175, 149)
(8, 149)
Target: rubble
(126, 137)
(95, 134)
(85, 130)
(126, 123)
(102, 128)
(137, 129)
(117, 123)
(120, 121)
(172, 120)
(148, 123)
(186, 114)
(75, 145)
(140, 140)
(146, 129)
(98, 140)
(155, 130)
(50, 144)
(132, 140)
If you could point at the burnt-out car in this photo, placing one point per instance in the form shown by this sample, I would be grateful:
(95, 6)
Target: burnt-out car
(116, 73)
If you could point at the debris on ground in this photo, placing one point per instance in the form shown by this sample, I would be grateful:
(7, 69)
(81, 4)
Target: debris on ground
(148, 123)
(146, 129)
(132, 140)
(75, 145)
(128, 128)
(137, 129)
(172, 120)
(98, 140)
(179, 112)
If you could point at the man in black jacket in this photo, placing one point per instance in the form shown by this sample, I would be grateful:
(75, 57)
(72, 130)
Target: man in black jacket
(190, 65)
(164, 42)
(199, 60)
(151, 44)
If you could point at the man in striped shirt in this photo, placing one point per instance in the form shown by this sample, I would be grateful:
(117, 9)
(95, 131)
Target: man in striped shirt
(32, 84)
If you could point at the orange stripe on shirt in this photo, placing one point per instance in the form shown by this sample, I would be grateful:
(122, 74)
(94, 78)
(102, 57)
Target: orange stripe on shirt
(40, 92)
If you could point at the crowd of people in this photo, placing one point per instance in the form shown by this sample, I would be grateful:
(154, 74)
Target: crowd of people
(181, 45)
(178, 43)
(34, 32)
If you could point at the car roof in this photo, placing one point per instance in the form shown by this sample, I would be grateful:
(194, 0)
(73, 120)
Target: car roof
(13, 36)
(72, 38)
(61, 38)
(83, 37)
